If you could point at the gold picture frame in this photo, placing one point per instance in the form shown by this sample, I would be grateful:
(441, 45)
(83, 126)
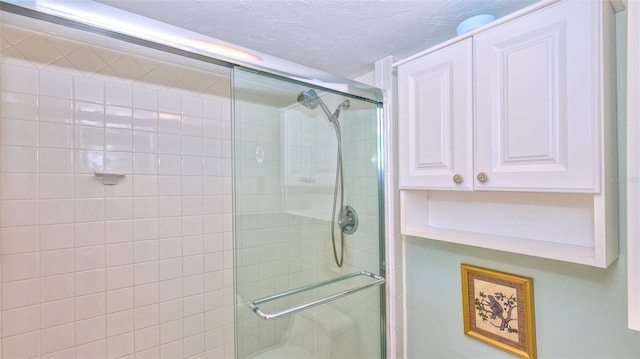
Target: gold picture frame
(498, 310)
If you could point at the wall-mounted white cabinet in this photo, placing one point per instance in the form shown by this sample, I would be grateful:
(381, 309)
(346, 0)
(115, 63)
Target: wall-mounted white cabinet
(520, 116)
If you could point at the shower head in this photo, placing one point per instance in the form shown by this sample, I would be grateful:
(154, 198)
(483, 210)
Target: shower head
(311, 100)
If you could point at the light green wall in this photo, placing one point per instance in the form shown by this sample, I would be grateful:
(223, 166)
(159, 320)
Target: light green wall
(580, 311)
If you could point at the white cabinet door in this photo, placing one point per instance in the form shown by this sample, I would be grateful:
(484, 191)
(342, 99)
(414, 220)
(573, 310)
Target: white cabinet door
(435, 120)
(537, 101)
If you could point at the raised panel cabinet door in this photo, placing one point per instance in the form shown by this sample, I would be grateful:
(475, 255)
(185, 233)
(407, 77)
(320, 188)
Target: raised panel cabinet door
(538, 104)
(435, 120)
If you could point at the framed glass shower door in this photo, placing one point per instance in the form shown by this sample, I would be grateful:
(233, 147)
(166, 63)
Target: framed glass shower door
(307, 221)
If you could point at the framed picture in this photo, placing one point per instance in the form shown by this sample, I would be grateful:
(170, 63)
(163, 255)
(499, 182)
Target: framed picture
(498, 310)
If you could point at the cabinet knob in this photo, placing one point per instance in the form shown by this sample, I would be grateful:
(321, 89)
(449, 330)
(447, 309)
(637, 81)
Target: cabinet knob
(482, 177)
(457, 178)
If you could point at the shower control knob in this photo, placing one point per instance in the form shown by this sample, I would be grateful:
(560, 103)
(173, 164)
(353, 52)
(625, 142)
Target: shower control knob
(348, 220)
(482, 177)
(457, 178)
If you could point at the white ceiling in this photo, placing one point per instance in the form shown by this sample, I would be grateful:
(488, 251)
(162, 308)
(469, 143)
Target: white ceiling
(342, 37)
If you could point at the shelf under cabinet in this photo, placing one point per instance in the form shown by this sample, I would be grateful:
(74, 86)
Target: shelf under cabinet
(559, 226)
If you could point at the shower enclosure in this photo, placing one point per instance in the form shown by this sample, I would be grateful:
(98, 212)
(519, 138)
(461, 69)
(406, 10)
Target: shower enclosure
(307, 197)
(160, 203)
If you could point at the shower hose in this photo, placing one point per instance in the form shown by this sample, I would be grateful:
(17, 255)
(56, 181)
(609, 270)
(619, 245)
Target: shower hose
(339, 180)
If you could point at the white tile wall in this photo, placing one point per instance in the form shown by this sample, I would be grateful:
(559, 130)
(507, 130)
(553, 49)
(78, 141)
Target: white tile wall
(142, 268)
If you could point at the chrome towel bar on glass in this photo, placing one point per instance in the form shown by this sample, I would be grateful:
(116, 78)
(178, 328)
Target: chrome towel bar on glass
(268, 316)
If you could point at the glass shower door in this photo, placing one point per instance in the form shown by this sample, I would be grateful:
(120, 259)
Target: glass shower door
(307, 222)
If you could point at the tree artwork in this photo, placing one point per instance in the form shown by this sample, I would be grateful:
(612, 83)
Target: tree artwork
(497, 310)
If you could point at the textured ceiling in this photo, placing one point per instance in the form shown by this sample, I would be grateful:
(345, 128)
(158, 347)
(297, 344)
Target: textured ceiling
(343, 37)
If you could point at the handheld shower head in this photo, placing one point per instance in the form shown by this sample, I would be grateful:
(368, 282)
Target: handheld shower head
(336, 114)
(345, 105)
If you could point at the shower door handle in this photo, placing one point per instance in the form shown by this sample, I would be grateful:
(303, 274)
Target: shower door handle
(377, 280)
